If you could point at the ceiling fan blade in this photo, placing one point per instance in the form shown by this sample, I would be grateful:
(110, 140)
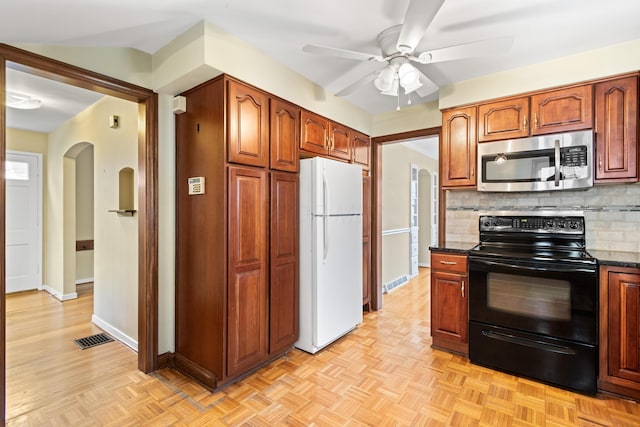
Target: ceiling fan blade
(467, 50)
(428, 87)
(419, 15)
(353, 79)
(340, 53)
(357, 84)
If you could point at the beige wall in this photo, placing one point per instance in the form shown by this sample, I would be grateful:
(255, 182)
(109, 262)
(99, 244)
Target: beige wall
(396, 176)
(116, 238)
(84, 213)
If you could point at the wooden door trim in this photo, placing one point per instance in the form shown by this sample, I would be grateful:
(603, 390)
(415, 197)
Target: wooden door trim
(376, 203)
(147, 102)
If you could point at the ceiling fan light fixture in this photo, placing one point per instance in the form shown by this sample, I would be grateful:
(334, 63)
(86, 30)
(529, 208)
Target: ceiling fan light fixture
(384, 80)
(22, 102)
(393, 90)
(409, 77)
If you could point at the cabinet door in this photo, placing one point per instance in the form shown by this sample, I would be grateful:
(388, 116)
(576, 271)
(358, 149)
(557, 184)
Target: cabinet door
(562, 110)
(247, 126)
(285, 135)
(283, 291)
(366, 245)
(247, 269)
(339, 141)
(503, 119)
(314, 136)
(616, 130)
(361, 149)
(449, 312)
(459, 147)
(624, 326)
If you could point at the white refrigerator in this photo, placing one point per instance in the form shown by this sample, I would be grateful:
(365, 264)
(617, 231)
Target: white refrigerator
(330, 251)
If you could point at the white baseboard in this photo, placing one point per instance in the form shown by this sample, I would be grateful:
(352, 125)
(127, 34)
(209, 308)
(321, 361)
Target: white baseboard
(424, 264)
(115, 333)
(389, 286)
(85, 280)
(58, 295)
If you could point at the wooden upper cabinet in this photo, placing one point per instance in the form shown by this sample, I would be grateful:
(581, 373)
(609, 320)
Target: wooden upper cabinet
(503, 119)
(562, 110)
(247, 125)
(616, 130)
(339, 141)
(285, 135)
(324, 137)
(361, 149)
(458, 147)
(314, 136)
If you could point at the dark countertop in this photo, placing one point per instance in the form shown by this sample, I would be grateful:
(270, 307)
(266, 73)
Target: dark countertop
(461, 248)
(620, 259)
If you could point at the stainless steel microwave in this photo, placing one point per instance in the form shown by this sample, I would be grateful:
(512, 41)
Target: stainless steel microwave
(542, 163)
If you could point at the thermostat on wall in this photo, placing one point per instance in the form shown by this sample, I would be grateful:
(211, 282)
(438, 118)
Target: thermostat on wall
(196, 185)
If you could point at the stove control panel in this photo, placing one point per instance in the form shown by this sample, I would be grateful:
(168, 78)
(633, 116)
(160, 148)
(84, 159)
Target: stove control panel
(533, 224)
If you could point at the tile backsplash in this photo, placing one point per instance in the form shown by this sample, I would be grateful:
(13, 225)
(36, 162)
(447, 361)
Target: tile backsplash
(611, 212)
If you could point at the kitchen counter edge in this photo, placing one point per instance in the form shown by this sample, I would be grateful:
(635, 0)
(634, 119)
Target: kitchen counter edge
(615, 258)
(461, 248)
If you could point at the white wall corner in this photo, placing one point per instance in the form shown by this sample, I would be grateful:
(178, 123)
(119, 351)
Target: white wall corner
(58, 295)
(115, 333)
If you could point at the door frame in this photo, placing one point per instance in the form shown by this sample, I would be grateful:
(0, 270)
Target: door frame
(147, 102)
(376, 202)
(39, 157)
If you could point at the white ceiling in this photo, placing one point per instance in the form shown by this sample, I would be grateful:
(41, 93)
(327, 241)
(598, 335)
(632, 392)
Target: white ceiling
(541, 30)
(60, 102)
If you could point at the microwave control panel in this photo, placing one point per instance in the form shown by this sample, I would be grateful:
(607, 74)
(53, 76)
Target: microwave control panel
(573, 156)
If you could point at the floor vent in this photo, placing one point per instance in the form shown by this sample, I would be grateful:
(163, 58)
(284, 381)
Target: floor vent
(395, 283)
(92, 341)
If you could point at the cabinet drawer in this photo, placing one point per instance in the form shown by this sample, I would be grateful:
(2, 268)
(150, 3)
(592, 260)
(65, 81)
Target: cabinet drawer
(448, 262)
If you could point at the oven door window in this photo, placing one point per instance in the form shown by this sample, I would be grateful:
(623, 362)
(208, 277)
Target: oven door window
(552, 299)
(547, 299)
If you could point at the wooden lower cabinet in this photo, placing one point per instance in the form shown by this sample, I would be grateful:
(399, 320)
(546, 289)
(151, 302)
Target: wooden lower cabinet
(247, 272)
(620, 330)
(449, 302)
(283, 290)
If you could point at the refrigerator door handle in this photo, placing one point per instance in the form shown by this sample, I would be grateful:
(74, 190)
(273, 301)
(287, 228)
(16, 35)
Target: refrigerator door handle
(325, 223)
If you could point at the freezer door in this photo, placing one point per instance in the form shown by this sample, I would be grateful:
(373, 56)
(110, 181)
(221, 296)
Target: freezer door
(338, 277)
(337, 188)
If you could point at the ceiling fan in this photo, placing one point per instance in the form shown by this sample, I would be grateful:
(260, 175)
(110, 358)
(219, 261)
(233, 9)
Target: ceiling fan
(398, 52)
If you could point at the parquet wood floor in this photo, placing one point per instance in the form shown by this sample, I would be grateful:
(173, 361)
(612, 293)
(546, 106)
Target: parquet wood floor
(382, 374)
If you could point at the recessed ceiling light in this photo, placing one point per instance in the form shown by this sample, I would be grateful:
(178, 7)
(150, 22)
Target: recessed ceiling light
(22, 102)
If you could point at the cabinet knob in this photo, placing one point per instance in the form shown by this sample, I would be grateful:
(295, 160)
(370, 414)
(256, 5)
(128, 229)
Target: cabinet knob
(524, 123)
(600, 162)
(462, 289)
(448, 262)
(535, 120)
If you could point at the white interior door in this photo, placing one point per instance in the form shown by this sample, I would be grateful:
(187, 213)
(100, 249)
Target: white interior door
(23, 222)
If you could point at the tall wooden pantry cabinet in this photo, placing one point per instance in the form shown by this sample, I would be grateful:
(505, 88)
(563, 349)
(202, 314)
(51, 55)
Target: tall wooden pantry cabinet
(237, 232)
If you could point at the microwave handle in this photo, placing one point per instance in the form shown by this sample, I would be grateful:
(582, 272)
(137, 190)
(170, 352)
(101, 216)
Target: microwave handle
(557, 155)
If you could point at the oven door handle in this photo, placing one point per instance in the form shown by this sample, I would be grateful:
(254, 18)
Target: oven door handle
(556, 267)
(540, 345)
